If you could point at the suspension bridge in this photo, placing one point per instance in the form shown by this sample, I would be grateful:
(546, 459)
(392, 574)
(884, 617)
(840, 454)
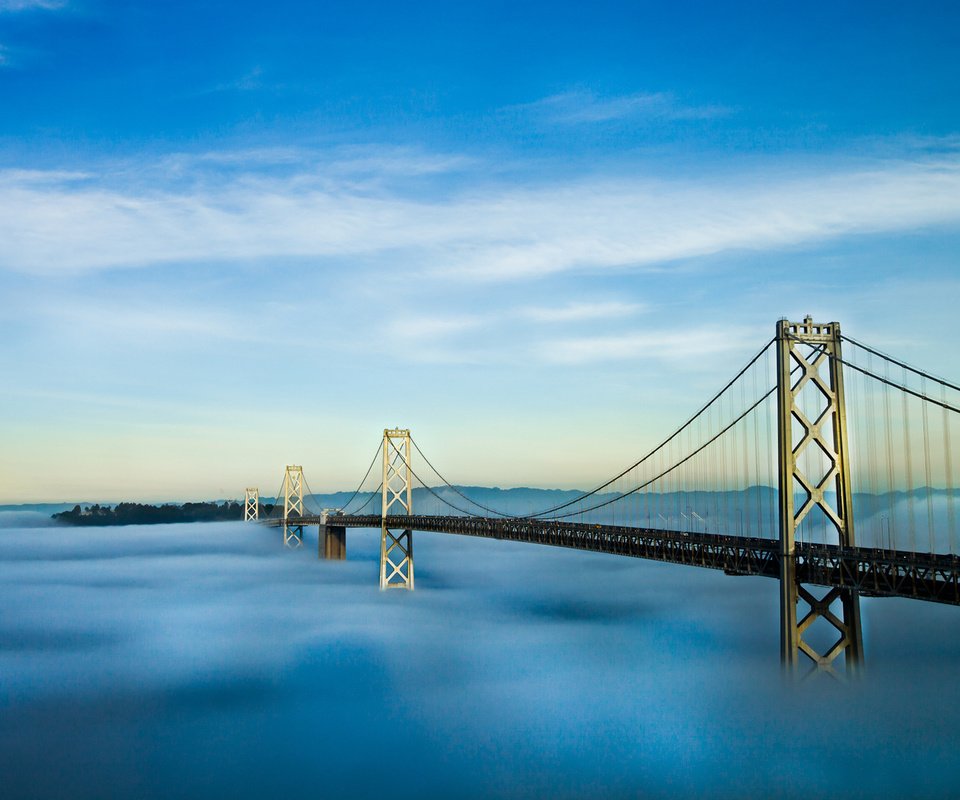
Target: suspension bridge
(767, 478)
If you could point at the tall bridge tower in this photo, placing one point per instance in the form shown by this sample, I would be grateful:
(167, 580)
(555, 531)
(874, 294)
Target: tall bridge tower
(292, 505)
(396, 548)
(251, 504)
(814, 481)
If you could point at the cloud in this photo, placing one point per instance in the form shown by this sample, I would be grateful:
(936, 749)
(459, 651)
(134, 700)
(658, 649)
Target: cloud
(493, 336)
(250, 81)
(168, 631)
(581, 106)
(396, 161)
(147, 325)
(28, 5)
(670, 345)
(339, 163)
(54, 223)
(423, 327)
(576, 312)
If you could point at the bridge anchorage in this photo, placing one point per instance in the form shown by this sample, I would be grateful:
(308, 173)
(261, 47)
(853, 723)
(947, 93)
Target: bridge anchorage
(251, 504)
(806, 445)
(396, 544)
(293, 506)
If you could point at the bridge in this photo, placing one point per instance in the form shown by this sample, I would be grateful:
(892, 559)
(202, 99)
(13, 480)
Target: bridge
(765, 479)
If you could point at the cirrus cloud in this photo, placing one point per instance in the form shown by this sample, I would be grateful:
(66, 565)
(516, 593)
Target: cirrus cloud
(27, 5)
(62, 222)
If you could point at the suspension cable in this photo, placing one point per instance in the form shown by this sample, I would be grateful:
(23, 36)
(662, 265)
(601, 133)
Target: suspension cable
(276, 499)
(594, 491)
(424, 485)
(585, 495)
(912, 369)
(455, 489)
(369, 470)
(670, 469)
(372, 495)
(901, 387)
(309, 493)
(666, 441)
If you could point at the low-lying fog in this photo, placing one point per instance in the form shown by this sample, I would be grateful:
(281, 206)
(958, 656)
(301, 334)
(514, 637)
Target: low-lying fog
(205, 659)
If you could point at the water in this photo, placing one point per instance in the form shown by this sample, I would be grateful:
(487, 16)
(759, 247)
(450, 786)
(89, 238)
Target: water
(204, 660)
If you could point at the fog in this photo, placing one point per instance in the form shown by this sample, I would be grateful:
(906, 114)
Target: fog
(204, 659)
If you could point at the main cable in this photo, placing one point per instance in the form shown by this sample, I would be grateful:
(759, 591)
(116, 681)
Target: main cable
(895, 385)
(585, 495)
(364, 480)
(455, 489)
(902, 364)
(424, 485)
(670, 469)
(665, 442)
(372, 495)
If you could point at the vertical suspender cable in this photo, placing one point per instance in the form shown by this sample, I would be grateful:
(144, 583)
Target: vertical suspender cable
(771, 455)
(948, 477)
(908, 464)
(745, 474)
(871, 453)
(726, 469)
(756, 458)
(928, 481)
(888, 433)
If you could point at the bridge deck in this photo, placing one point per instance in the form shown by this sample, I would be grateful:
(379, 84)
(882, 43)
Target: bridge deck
(887, 573)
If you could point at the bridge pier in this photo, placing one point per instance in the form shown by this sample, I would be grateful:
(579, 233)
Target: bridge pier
(335, 543)
(332, 542)
(814, 481)
(331, 539)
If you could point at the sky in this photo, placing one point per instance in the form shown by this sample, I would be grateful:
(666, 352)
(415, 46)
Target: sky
(235, 236)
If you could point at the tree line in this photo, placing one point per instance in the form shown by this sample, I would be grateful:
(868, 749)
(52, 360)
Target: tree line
(143, 514)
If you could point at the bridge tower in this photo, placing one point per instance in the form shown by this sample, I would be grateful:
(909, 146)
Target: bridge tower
(814, 481)
(251, 505)
(396, 547)
(292, 505)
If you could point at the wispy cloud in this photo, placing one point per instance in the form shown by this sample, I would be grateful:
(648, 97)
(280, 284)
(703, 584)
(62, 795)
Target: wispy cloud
(27, 5)
(141, 324)
(395, 161)
(250, 81)
(669, 345)
(52, 223)
(339, 164)
(442, 340)
(426, 327)
(583, 106)
(576, 312)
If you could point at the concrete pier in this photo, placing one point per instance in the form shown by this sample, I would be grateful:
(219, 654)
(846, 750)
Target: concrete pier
(332, 544)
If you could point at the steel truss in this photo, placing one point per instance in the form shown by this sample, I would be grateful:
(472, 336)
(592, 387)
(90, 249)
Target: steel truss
(251, 504)
(293, 506)
(396, 541)
(868, 571)
(813, 466)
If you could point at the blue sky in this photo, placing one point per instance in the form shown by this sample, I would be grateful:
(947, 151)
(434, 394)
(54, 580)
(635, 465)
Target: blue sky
(239, 235)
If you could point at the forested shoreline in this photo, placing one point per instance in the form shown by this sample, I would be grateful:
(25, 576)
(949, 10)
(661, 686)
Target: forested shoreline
(144, 514)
